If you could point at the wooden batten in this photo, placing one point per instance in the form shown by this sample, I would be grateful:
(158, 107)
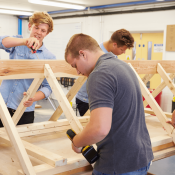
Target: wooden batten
(12, 69)
(15, 139)
(151, 101)
(45, 127)
(166, 78)
(30, 93)
(150, 66)
(159, 88)
(150, 111)
(45, 169)
(48, 160)
(9, 69)
(146, 78)
(63, 101)
(70, 95)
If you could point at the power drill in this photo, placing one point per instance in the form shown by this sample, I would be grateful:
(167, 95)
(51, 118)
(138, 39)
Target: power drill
(88, 152)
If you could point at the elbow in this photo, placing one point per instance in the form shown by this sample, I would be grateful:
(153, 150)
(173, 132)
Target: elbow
(101, 132)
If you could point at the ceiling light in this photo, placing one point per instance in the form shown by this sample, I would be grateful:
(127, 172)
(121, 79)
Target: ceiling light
(57, 4)
(14, 12)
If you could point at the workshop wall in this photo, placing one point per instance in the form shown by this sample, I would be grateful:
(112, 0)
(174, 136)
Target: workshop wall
(101, 27)
(8, 26)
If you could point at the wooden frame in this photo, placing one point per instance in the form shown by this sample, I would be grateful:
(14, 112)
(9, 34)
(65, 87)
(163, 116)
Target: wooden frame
(50, 163)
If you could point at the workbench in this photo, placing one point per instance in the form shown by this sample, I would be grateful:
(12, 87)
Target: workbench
(43, 148)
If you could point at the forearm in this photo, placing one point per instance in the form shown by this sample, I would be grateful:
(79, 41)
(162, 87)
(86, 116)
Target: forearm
(12, 42)
(38, 96)
(90, 135)
(97, 128)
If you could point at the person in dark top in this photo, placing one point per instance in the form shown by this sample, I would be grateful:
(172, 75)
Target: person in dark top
(117, 120)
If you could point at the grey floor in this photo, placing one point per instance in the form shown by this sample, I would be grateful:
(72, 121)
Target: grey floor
(44, 113)
(164, 166)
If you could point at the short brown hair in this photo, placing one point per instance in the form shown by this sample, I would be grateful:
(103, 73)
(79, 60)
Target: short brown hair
(42, 17)
(80, 42)
(122, 37)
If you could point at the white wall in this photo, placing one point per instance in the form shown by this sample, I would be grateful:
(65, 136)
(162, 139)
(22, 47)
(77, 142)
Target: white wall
(8, 26)
(100, 28)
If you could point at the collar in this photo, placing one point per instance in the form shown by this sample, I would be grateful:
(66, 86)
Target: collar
(42, 48)
(105, 56)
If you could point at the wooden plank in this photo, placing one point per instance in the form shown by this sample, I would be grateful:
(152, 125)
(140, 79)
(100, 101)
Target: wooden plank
(166, 78)
(150, 111)
(146, 78)
(62, 100)
(81, 170)
(38, 106)
(164, 146)
(159, 88)
(30, 93)
(46, 156)
(70, 95)
(150, 66)
(164, 153)
(48, 124)
(15, 139)
(161, 140)
(152, 102)
(35, 68)
(45, 127)
(88, 113)
(45, 169)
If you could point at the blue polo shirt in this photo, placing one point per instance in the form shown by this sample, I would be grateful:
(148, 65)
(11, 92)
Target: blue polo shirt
(12, 90)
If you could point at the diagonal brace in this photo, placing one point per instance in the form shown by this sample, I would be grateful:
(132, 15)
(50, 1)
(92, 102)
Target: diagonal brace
(63, 101)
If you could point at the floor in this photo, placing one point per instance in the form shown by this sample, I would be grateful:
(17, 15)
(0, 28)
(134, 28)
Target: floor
(164, 166)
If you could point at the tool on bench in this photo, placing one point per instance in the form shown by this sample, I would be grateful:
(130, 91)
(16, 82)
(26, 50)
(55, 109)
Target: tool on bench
(88, 152)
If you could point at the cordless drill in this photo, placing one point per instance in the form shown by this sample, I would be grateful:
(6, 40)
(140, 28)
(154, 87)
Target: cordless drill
(88, 152)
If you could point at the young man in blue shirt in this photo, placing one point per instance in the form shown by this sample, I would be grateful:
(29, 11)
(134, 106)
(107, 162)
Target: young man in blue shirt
(40, 25)
(118, 43)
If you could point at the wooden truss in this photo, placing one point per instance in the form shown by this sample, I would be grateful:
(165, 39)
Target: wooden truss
(48, 162)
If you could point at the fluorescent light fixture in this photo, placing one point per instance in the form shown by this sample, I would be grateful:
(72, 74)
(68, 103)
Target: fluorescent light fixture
(14, 12)
(57, 4)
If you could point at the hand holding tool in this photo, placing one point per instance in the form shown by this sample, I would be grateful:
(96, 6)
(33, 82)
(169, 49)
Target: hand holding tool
(34, 51)
(88, 151)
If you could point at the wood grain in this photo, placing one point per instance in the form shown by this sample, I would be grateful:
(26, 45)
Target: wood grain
(35, 68)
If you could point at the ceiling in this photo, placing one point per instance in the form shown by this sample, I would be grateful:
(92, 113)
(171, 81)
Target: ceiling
(24, 5)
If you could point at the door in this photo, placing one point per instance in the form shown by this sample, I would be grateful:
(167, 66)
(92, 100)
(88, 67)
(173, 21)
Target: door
(148, 46)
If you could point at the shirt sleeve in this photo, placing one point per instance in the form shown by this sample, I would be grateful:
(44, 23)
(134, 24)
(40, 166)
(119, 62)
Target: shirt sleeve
(11, 49)
(101, 88)
(45, 88)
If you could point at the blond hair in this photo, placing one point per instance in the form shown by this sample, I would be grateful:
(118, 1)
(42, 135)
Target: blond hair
(80, 42)
(42, 17)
